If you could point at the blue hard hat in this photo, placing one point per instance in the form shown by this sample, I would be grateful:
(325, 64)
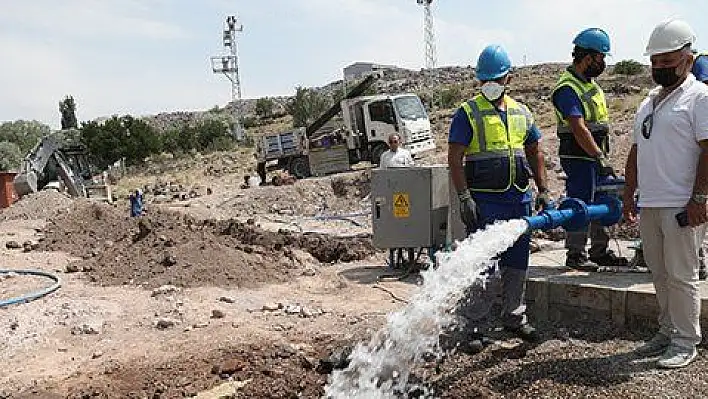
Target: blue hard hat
(593, 39)
(493, 63)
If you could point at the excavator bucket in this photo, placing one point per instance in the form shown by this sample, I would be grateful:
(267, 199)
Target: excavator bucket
(25, 183)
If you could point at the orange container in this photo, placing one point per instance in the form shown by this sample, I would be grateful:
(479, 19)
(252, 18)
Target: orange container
(7, 189)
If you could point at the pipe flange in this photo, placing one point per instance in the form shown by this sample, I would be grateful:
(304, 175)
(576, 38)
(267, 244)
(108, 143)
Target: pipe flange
(614, 205)
(580, 218)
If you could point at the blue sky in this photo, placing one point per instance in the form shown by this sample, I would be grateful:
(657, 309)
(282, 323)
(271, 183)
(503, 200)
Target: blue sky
(149, 56)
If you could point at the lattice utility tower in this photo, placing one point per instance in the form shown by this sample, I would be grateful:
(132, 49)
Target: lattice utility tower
(228, 65)
(431, 58)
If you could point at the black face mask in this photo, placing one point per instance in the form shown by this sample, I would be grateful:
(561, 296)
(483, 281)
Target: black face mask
(595, 69)
(665, 77)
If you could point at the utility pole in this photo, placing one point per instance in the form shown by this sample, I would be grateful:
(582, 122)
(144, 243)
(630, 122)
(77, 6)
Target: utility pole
(431, 58)
(228, 65)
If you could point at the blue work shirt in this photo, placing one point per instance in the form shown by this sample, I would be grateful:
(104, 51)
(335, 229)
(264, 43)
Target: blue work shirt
(568, 103)
(136, 205)
(461, 133)
(700, 68)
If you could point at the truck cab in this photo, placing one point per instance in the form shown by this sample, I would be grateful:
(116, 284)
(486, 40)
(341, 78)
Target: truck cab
(372, 119)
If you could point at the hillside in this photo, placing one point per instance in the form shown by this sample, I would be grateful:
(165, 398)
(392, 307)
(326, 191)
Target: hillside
(531, 85)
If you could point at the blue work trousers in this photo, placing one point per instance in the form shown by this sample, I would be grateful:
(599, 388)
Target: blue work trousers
(477, 303)
(516, 257)
(581, 182)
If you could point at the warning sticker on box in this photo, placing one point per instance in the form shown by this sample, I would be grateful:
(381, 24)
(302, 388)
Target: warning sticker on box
(401, 205)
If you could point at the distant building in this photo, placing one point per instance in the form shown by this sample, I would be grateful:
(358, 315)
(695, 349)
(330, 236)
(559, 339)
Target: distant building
(360, 69)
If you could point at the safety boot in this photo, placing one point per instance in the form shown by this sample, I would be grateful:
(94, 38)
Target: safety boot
(526, 332)
(580, 263)
(610, 259)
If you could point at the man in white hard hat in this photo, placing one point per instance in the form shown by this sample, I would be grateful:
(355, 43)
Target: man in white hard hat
(668, 163)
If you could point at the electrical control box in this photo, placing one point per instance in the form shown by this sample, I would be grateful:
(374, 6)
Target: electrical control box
(410, 206)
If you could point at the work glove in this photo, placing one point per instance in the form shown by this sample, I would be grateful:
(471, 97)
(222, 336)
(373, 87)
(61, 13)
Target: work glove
(544, 201)
(468, 210)
(604, 167)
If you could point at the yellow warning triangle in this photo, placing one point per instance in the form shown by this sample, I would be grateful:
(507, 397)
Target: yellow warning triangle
(400, 201)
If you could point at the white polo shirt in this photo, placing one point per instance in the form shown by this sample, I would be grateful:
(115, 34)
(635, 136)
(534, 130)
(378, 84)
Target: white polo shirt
(398, 159)
(667, 159)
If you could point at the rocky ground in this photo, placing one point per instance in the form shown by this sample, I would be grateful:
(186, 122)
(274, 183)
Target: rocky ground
(226, 320)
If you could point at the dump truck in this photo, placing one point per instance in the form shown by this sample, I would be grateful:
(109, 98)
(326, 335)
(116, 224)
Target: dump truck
(53, 160)
(326, 147)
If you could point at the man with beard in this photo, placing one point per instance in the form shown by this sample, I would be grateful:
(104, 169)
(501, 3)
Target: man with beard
(668, 163)
(583, 131)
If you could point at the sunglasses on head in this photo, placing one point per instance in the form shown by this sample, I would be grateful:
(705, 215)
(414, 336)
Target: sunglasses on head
(647, 125)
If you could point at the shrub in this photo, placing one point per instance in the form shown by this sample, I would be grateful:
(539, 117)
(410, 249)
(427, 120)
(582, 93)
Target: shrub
(448, 97)
(264, 107)
(10, 156)
(307, 106)
(628, 67)
(26, 134)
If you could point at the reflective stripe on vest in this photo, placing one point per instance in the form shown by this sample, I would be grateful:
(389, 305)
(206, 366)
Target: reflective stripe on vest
(595, 113)
(493, 141)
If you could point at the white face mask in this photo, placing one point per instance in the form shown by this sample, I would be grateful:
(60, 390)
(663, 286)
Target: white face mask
(492, 91)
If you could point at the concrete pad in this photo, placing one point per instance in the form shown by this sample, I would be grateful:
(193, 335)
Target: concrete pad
(621, 296)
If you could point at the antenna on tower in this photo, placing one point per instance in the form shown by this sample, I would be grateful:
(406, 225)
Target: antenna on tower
(431, 59)
(228, 65)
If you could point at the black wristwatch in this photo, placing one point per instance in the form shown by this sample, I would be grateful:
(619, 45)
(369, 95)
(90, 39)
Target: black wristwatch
(699, 198)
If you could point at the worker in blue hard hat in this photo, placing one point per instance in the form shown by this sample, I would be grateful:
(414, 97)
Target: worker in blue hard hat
(583, 131)
(700, 67)
(493, 154)
(700, 71)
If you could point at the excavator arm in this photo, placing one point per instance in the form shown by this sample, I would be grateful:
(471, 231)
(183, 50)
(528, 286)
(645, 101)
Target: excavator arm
(35, 163)
(356, 91)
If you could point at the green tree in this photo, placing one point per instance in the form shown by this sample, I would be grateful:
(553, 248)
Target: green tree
(264, 107)
(10, 156)
(103, 141)
(26, 134)
(67, 108)
(140, 140)
(188, 139)
(209, 131)
(249, 122)
(307, 106)
(170, 141)
(628, 67)
(120, 137)
(448, 97)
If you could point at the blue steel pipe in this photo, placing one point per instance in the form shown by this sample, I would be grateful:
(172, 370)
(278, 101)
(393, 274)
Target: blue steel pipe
(573, 214)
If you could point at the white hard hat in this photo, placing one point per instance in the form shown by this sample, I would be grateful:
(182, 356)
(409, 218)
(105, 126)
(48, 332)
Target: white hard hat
(670, 35)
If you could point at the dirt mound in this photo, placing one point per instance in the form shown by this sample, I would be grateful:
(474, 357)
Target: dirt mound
(352, 186)
(170, 248)
(268, 371)
(322, 247)
(41, 205)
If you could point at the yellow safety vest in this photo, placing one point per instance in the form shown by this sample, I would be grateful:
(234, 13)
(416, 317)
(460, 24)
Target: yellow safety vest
(595, 113)
(495, 157)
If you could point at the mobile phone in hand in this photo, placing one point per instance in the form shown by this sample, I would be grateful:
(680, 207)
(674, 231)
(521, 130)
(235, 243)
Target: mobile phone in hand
(682, 218)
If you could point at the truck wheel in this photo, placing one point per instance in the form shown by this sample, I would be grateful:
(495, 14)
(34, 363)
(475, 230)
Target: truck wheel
(377, 151)
(299, 167)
